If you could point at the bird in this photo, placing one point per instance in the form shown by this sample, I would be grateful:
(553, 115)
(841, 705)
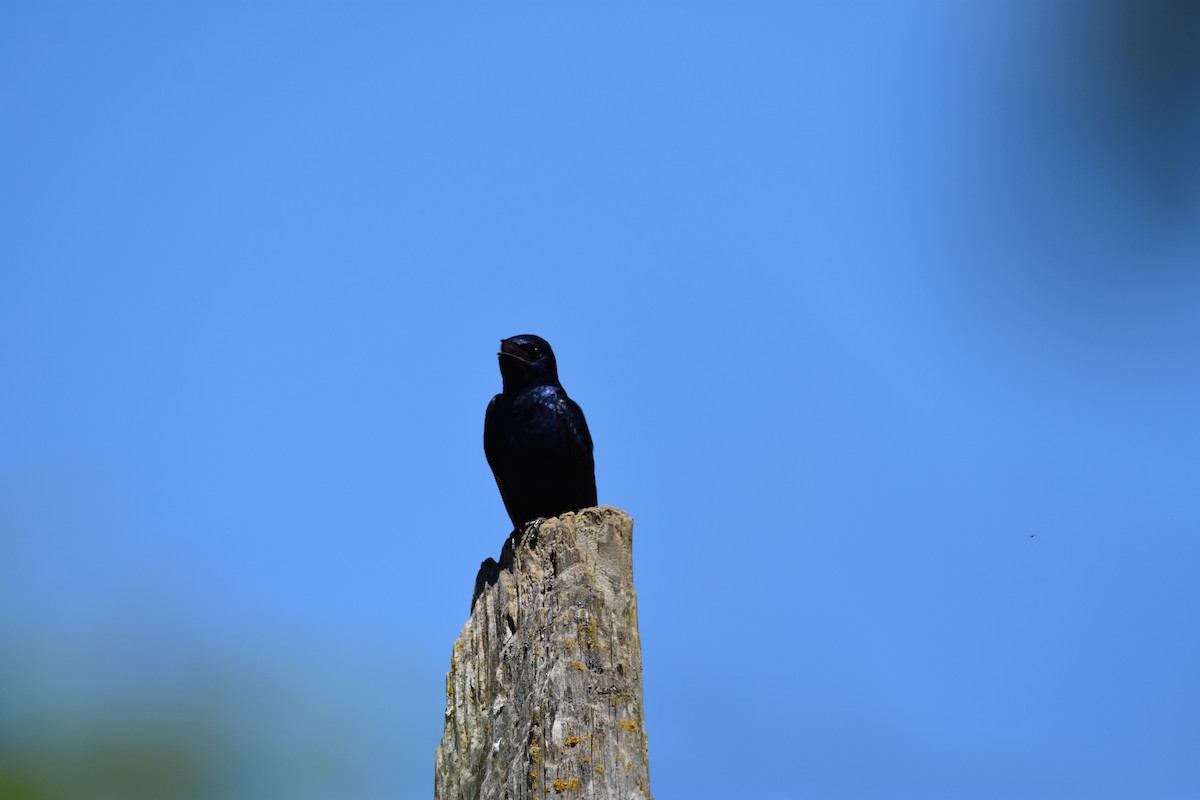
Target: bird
(535, 437)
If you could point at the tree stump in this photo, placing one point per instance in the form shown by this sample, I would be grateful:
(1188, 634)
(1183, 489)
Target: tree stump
(544, 693)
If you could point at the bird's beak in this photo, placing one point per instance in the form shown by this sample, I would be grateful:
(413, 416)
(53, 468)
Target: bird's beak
(507, 348)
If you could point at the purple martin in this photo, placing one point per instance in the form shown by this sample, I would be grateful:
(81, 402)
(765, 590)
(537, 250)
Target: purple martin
(535, 437)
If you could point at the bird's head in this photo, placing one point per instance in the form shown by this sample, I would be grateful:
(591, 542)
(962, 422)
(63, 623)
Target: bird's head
(527, 360)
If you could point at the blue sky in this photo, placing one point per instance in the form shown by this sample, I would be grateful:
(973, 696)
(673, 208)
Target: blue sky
(884, 318)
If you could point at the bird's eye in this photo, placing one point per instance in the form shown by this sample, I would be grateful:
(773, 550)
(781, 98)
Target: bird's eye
(535, 351)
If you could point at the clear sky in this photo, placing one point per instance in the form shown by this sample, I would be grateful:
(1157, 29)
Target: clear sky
(884, 316)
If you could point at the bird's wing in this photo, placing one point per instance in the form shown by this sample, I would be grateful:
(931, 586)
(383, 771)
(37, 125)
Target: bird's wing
(491, 447)
(577, 451)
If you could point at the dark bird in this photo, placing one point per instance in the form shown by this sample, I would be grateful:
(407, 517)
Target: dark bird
(535, 437)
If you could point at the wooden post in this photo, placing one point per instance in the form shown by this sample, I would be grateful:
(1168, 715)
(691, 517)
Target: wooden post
(544, 693)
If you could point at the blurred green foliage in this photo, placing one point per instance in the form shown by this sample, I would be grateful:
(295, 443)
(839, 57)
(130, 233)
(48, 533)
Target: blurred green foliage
(72, 731)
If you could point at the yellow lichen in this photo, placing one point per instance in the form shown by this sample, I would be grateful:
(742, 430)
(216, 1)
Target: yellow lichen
(579, 666)
(574, 740)
(573, 785)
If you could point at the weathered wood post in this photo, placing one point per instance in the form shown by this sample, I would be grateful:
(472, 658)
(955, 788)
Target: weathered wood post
(544, 693)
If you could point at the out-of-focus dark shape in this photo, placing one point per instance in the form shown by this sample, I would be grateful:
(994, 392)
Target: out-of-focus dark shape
(1143, 73)
(1081, 187)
